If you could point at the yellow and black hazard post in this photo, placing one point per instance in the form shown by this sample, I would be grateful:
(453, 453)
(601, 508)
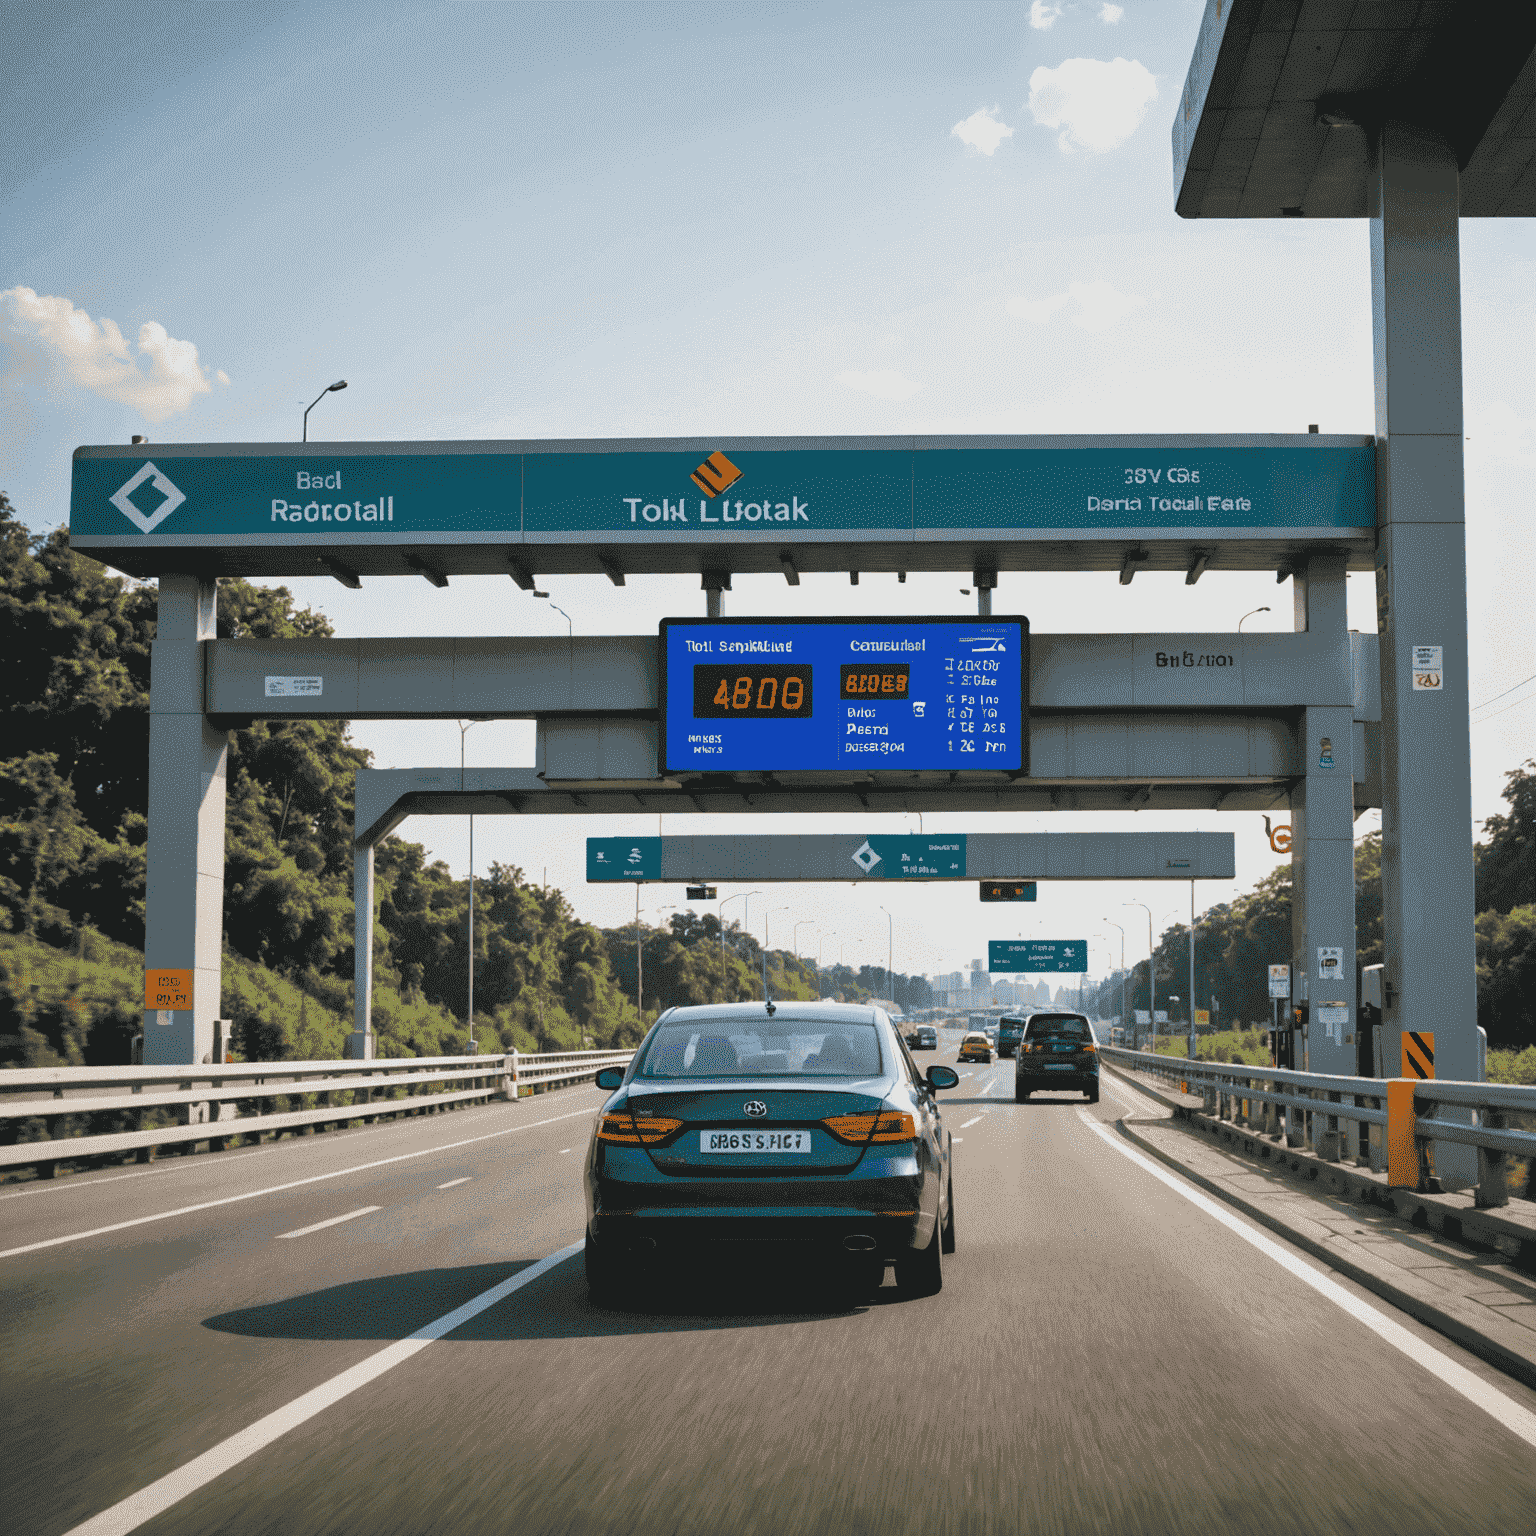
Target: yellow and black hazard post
(1407, 1166)
(1418, 1054)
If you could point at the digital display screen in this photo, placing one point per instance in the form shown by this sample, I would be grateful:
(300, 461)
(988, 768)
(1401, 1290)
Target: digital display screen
(914, 695)
(860, 682)
(751, 691)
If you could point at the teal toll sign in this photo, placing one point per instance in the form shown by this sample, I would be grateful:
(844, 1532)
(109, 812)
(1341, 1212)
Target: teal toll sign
(623, 858)
(1035, 955)
(900, 857)
(282, 496)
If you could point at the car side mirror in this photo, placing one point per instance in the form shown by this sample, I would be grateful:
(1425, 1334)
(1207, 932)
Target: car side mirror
(943, 1077)
(610, 1078)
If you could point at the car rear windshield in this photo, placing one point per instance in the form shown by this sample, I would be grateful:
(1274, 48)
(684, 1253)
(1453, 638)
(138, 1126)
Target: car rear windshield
(803, 1048)
(1059, 1027)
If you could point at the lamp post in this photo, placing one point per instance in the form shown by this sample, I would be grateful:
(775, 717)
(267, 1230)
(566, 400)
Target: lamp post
(329, 389)
(890, 953)
(745, 896)
(1193, 1047)
(1151, 969)
(1123, 1019)
(465, 726)
(1249, 615)
(766, 915)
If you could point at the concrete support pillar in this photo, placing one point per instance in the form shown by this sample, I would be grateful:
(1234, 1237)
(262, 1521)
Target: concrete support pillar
(184, 877)
(360, 1041)
(1322, 837)
(1427, 870)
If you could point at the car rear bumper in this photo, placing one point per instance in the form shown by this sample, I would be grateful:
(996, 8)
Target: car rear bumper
(1060, 1082)
(750, 1233)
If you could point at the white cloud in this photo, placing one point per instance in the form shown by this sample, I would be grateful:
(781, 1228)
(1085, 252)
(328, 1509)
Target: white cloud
(1043, 15)
(1099, 306)
(983, 130)
(1096, 105)
(49, 337)
(1111, 14)
(884, 384)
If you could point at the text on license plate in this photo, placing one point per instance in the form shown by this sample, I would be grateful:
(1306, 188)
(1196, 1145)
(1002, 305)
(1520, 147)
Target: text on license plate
(1058, 1066)
(754, 1141)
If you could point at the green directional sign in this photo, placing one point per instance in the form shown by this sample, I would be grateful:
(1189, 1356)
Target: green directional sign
(1035, 955)
(623, 858)
(898, 856)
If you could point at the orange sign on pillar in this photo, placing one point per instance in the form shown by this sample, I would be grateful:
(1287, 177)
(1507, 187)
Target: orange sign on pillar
(168, 989)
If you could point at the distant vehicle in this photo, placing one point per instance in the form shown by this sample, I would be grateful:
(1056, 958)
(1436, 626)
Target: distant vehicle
(924, 1038)
(795, 1127)
(1057, 1053)
(1010, 1031)
(975, 1046)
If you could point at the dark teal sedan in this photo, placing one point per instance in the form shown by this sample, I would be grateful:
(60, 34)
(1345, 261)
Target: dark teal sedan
(790, 1130)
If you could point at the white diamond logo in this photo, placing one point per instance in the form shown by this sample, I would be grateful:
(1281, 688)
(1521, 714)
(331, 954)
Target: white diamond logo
(147, 523)
(866, 857)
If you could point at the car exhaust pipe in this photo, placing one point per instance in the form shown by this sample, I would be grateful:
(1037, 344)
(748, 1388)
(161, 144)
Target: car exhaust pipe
(859, 1242)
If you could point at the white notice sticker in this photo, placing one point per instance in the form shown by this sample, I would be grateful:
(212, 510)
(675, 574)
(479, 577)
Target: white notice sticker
(1428, 668)
(1330, 963)
(295, 687)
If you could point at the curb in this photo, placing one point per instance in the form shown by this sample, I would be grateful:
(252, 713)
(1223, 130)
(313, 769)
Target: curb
(1479, 1344)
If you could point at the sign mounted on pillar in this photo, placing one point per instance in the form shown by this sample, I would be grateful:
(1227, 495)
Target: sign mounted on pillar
(906, 695)
(623, 858)
(168, 989)
(1279, 981)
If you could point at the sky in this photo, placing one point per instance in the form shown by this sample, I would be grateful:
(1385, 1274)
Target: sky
(567, 219)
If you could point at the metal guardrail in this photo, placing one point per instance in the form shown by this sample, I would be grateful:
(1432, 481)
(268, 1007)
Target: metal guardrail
(1307, 1108)
(218, 1104)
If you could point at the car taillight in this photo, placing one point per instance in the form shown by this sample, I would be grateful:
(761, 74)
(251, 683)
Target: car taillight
(1090, 1047)
(870, 1126)
(626, 1130)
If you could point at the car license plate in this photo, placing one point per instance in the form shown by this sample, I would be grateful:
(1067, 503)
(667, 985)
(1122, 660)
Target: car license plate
(1058, 1066)
(754, 1141)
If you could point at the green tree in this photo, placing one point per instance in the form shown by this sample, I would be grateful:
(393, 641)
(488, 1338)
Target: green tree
(1506, 863)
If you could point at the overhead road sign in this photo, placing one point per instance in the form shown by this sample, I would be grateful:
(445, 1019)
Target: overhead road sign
(717, 506)
(911, 695)
(879, 856)
(1277, 101)
(1032, 956)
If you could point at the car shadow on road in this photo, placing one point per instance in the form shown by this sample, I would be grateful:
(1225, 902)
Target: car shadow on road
(556, 1306)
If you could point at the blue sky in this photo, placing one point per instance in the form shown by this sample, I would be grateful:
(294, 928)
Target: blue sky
(571, 219)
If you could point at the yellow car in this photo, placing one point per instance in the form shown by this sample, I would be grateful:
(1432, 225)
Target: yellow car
(976, 1047)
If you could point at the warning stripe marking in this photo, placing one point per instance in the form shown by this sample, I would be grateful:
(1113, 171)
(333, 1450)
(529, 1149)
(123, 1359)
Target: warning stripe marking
(715, 474)
(1419, 1054)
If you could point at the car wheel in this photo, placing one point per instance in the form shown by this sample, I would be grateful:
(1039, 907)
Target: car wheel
(1020, 1093)
(922, 1273)
(948, 1238)
(602, 1283)
(1093, 1094)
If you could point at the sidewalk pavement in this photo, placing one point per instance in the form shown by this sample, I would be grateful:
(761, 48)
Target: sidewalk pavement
(1418, 1252)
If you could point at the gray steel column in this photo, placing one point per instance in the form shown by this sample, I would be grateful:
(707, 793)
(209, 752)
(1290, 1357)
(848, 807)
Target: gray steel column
(1427, 871)
(1322, 834)
(360, 1041)
(184, 876)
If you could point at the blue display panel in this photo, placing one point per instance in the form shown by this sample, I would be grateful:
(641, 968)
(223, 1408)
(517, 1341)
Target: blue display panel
(844, 695)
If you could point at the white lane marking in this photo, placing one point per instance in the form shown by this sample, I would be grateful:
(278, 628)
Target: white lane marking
(989, 1085)
(160, 1495)
(1520, 1421)
(967, 1074)
(454, 1183)
(275, 1189)
(969, 1123)
(957, 1138)
(335, 1221)
(564, 1150)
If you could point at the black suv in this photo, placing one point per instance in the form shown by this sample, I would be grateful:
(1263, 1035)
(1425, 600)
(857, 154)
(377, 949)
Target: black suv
(1057, 1053)
(924, 1038)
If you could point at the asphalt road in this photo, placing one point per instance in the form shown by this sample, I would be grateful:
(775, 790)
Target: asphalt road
(1106, 1356)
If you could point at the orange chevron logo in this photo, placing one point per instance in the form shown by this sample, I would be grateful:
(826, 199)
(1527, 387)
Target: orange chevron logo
(715, 474)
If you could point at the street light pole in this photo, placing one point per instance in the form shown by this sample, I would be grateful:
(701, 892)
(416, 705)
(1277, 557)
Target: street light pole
(1151, 970)
(1124, 1021)
(890, 953)
(745, 896)
(766, 916)
(465, 726)
(1193, 1047)
(329, 389)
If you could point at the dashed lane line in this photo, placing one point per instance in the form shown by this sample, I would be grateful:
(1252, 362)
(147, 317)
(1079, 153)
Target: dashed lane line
(335, 1221)
(275, 1189)
(1519, 1420)
(137, 1508)
(969, 1123)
